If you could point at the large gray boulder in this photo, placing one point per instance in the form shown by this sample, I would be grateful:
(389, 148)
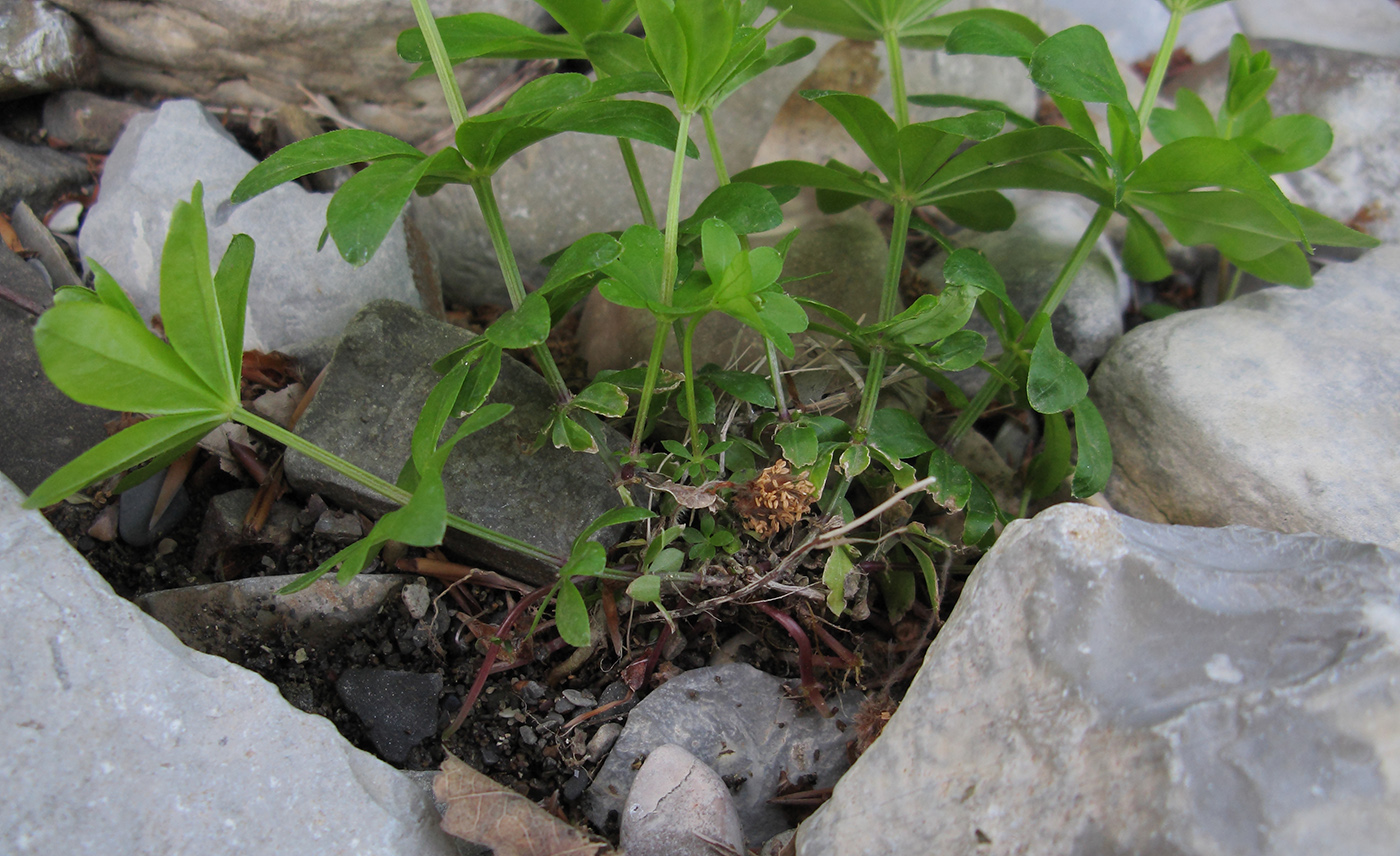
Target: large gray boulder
(296, 293)
(118, 739)
(1107, 686)
(41, 49)
(263, 53)
(1275, 410)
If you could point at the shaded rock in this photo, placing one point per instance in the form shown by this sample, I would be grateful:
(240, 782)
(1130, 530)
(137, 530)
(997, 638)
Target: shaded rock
(122, 740)
(41, 49)
(368, 405)
(1134, 28)
(740, 722)
(1364, 26)
(136, 518)
(256, 53)
(46, 428)
(226, 548)
(1359, 96)
(38, 175)
(398, 708)
(37, 238)
(1275, 410)
(228, 619)
(295, 293)
(86, 121)
(1029, 257)
(678, 807)
(1111, 686)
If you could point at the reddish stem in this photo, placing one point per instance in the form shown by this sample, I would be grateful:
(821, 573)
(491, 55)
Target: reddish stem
(804, 656)
(492, 650)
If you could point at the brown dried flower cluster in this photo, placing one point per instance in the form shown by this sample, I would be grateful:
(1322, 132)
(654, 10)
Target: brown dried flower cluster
(774, 500)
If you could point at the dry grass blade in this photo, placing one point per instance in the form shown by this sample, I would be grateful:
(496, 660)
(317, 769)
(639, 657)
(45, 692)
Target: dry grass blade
(483, 812)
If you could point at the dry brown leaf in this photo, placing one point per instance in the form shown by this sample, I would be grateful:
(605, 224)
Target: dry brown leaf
(483, 812)
(688, 497)
(8, 235)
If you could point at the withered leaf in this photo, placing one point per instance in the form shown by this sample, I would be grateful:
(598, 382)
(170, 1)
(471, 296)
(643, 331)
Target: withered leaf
(483, 812)
(688, 497)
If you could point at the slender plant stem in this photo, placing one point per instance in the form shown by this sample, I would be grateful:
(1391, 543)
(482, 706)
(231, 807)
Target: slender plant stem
(456, 106)
(1159, 69)
(639, 187)
(510, 272)
(688, 361)
(1229, 293)
(669, 265)
(1031, 331)
(389, 491)
(889, 301)
(896, 62)
(770, 350)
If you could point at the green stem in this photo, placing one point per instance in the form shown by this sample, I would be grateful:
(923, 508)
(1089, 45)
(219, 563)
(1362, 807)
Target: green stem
(1031, 331)
(669, 265)
(1159, 69)
(456, 105)
(688, 361)
(889, 303)
(510, 272)
(896, 61)
(1229, 293)
(389, 491)
(770, 350)
(639, 187)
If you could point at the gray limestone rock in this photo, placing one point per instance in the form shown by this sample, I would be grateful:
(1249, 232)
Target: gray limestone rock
(37, 175)
(1134, 28)
(1358, 94)
(121, 740)
(86, 121)
(296, 293)
(740, 722)
(256, 53)
(679, 807)
(1108, 686)
(42, 48)
(36, 238)
(367, 407)
(46, 429)
(1364, 26)
(1275, 410)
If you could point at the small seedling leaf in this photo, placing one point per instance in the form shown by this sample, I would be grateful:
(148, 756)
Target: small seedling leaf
(1095, 462)
(799, 444)
(336, 148)
(1049, 468)
(834, 573)
(1054, 383)
(899, 434)
(571, 615)
(523, 326)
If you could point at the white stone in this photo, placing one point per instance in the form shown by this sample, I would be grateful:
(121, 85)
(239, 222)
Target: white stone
(1134, 28)
(1013, 740)
(1276, 410)
(296, 292)
(118, 739)
(1364, 26)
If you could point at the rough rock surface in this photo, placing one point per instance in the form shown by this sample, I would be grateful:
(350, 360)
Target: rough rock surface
(257, 53)
(399, 709)
(1357, 94)
(369, 402)
(737, 720)
(85, 121)
(41, 49)
(1275, 410)
(1112, 686)
(37, 175)
(1364, 26)
(118, 739)
(296, 293)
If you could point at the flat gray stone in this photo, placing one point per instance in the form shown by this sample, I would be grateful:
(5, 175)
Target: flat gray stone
(37, 175)
(86, 121)
(741, 723)
(41, 49)
(118, 739)
(678, 806)
(295, 293)
(45, 429)
(367, 407)
(399, 709)
(1275, 410)
(1364, 26)
(1107, 686)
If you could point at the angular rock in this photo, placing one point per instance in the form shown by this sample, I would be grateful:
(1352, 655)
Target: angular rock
(36, 238)
(679, 807)
(257, 52)
(1029, 256)
(122, 740)
(1111, 686)
(740, 722)
(224, 546)
(1364, 26)
(38, 175)
(295, 293)
(365, 412)
(46, 429)
(398, 708)
(228, 619)
(1358, 94)
(86, 121)
(41, 49)
(1275, 410)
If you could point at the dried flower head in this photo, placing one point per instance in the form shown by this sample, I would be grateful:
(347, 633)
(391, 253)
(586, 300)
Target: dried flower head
(774, 500)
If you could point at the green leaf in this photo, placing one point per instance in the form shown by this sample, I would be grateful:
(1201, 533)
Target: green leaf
(982, 512)
(1050, 468)
(838, 567)
(745, 207)
(969, 268)
(987, 211)
(745, 386)
(633, 120)
(231, 287)
(603, 398)
(799, 444)
(586, 559)
(960, 350)
(1289, 143)
(898, 434)
(571, 615)
(1095, 462)
(933, 317)
(855, 459)
(109, 292)
(1076, 63)
(1020, 120)
(1054, 383)
(481, 34)
(336, 148)
(146, 439)
(645, 589)
(1327, 232)
(432, 418)
(1235, 223)
(566, 433)
(1191, 118)
(611, 517)
(1006, 149)
(1144, 257)
(102, 356)
(929, 571)
(804, 174)
(953, 485)
(635, 278)
(365, 207)
(1286, 266)
(481, 378)
(189, 305)
(868, 125)
(721, 246)
(75, 294)
(988, 38)
(524, 326)
(897, 591)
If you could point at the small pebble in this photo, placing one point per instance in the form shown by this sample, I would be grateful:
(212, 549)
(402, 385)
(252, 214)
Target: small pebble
(531, 692)
(563, 705)
(528, 736)
(104, 528)
(417, 599)
(338, 526)
(300, 655)
(166, 547)
(66, 219)
(602, 740)
(581, 699)
(575, 786)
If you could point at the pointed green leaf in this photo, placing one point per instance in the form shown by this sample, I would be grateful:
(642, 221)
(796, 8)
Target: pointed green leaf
(804, 174)
(481, 378)
(365, 207)
(1076, 63)
(603, 398)
(1095, 462)
(571, 615)
(988, 38)
(481, 34)
(112, 294)
(1285, 266)
(987, 211)
(799, 444)
(336, 148)
(231, 287)
(1054, 383)
(968, 267)
(1289, 143)
(868, 125)
(745, 386)
(1327, 232)
(1191, 118)
(838, 567)
(1144, 257)
(982, 513)
(522, 327)
(612, 517)
(745, 207)
(1020, 120)
(189, 306)
(899, 434)
(1051, 466)
(953, 484)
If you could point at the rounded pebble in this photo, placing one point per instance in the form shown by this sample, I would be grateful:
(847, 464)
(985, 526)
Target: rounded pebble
(677, 806)
(66, 219)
